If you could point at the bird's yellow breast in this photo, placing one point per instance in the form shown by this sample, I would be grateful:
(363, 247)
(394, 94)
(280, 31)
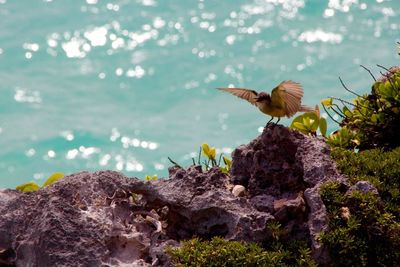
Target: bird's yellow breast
(272, 110)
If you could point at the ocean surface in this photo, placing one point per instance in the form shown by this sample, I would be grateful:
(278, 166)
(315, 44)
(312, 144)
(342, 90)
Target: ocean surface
(122, 85)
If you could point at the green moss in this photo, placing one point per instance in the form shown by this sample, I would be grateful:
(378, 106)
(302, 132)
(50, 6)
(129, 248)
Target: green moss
(220, 252)
(363, 228)
(380, 168)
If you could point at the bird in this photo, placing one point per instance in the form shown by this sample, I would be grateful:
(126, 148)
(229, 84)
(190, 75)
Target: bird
(284, 100)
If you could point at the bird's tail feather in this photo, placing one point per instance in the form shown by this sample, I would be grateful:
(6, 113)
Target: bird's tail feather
(308, 109)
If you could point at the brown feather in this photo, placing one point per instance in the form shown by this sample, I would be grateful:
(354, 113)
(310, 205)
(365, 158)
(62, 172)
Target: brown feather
(309, 109)
(246, 94)
(292, 93)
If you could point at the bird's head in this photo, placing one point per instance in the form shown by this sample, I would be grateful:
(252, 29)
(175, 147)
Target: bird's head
(263, 97)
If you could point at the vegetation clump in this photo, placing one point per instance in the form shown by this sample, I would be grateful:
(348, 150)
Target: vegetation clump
(364, 227)
(220, 252)
(362, 232)
(372, 120)
(381, 168)
(308, 123)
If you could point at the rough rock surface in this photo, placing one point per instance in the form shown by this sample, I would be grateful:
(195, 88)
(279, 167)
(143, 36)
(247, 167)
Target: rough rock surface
(284, 169)
(363, 186)
(107, 219)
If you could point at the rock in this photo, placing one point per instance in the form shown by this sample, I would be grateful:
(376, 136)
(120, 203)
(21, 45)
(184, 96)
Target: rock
(91, 219)
(317, 223)
(363, 186)
(201, 204)
(282, 164)
(238, 190)
(107, 219)
(84, 219)
(285, 208)
(263, 203)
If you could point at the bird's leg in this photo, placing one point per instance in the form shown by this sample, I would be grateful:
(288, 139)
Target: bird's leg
(270, 120)
(279, 118)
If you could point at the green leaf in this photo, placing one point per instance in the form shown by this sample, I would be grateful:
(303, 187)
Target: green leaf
(297, 119)
(227, 161)
(323, 126)
(299, 126)
(327, 102)
(347, 112)
(224, 169)
(149, 178)
(213, 153)
(374, 118)
(206, 149)
(54, 177)
(307, 122)
(28, 187)
(313, 119)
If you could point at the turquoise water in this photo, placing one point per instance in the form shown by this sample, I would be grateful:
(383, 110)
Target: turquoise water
(90, 85)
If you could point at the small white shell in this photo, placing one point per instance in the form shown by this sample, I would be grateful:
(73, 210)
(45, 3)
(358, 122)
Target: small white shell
(238, 190)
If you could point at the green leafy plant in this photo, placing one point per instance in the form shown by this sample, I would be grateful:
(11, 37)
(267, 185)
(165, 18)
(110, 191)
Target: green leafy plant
(210, 153)
(373, 119)
(362, 232)
(228, 164)
(221, 252)
(149, 178)
(309, 122)
(343, 138)
(32, 186)
(52, 178)
(207, 158)
(276, 229)
(28, 187)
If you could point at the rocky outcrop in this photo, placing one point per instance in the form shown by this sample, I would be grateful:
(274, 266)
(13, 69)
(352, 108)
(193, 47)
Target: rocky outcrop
(283, 171)
(107, 219)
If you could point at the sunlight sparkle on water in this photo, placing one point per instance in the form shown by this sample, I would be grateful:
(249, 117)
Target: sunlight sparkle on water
(104, 160)
(30, 152)
(71, 154)
(91, 2)
(68, 135)
(97, 37)
(51, 153)
(320, 36)
(73, 48)
(26, 96)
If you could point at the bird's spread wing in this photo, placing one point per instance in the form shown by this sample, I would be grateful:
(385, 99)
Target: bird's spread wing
(291, 93)
(246, 94)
